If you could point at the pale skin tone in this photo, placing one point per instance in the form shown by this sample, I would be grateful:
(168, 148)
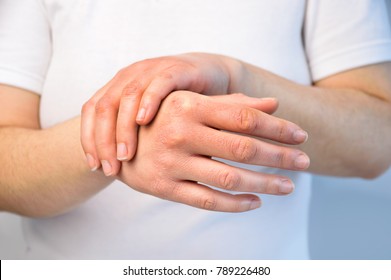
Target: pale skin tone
(44, 171)
(340, 113)
(347, 115)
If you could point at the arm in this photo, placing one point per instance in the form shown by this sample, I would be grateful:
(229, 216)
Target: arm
(43, 170)
(347, 116)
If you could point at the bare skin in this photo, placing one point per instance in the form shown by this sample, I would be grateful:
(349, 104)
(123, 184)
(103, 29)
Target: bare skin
(340, 113)
(44, 170)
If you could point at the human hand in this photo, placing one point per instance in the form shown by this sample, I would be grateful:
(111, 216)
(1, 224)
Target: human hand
(110, 118)
(173, 159)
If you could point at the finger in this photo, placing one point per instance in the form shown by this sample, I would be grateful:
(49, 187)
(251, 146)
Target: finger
(242, 119)
(105, 133)
(200, 196)
(127, 128)
(248, 150)
(161, 86)
(268, 105)
(221, 175)
(87, 135)
(87, 129)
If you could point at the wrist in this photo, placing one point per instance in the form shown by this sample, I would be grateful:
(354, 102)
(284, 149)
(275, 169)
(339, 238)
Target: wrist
(238, 75)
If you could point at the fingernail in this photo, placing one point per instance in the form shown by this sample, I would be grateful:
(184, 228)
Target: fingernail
(141, 114)
(252, 204)
(255, 204)
(107, 169)
(302, 162)
(286, 186)
(122, 152)
(91, 162)
(300, 136)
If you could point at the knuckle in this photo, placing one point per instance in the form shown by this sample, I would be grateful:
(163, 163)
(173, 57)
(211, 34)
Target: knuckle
(167, 188)
(174, 138)
(208, 203)
(271, 186)
(102, 146)
(165, 163)
(122, 72)
(229, 180)
(282, 130)
(280, 158)
(132, 90)
(179, 103)
(87, 107)
(244, 150)
(159, 188)
(246, 120)
(165, 76)
(104, 106)
(125, 72)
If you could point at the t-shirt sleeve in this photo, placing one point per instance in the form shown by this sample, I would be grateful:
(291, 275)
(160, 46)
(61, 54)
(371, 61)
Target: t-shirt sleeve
(341, 35)
(25, 44)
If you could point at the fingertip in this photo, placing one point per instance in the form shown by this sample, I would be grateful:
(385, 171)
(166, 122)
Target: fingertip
(93, 164)
(270, 99)
(122, 152)
(300, 136)
(302, 162)
(140, 118)
(251, 204)
(248, 202)
(110, 168)
(146, 114)
(286, 186)
(269, 104)
(149, 106)
(126, 152)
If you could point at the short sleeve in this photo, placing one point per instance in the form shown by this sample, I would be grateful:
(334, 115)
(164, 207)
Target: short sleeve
(341, 35)
(25, 44)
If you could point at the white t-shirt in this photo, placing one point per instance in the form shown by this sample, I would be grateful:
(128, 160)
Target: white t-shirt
(66, 50)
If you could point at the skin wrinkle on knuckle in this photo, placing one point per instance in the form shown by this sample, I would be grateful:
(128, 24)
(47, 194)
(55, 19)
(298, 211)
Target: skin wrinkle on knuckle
(165, 76)
(270, 186)
(229, 180)
(280, 158)
(208, 203)
(247, 121)
(131, 90)
(103, 107)
(159, 188)
(283, 130)
(243, 149)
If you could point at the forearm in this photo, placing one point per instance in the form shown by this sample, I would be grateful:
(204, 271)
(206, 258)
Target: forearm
(349, 130)
(44, 171)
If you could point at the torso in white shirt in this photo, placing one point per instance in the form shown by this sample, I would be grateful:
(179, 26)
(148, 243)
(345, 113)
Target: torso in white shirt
(91, 41)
